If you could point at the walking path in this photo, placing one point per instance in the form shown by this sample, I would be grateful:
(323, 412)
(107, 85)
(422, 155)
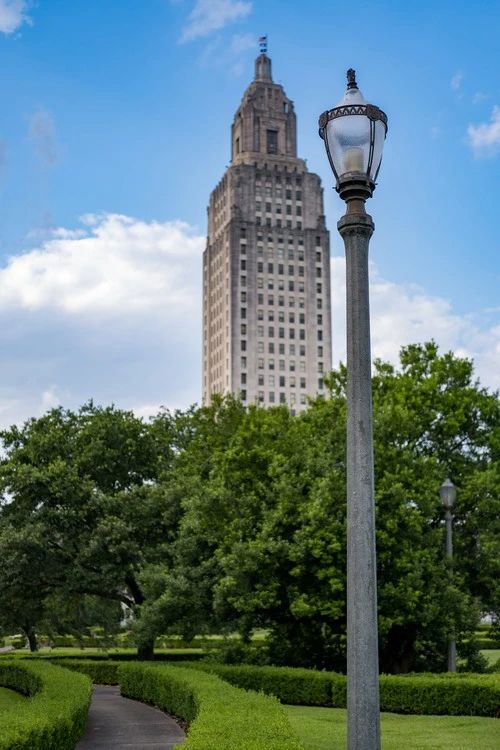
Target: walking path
(117, 723)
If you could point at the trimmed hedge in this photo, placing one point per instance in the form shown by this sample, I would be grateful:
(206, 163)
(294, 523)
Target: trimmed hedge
(220, 717)
(55, 715)
(451, 695)
(295, 686)
(181, 656)
(100, 672)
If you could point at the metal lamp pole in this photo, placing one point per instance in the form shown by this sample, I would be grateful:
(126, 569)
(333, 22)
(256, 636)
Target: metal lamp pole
(354, 133)
(448, 495)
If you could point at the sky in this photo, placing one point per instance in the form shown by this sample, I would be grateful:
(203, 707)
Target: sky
(115, 123)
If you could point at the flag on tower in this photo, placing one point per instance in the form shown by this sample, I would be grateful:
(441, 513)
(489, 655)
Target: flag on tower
(263, 44)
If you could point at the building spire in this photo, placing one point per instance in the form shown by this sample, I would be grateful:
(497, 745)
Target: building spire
(263, 62)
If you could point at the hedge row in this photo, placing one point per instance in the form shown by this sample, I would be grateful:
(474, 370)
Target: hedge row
(100, 672)
(181, 656)
(469, 695)
(55, 716)
(220, 717)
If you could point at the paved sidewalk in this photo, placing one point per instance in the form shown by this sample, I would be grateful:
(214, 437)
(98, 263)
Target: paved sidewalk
(117, 723)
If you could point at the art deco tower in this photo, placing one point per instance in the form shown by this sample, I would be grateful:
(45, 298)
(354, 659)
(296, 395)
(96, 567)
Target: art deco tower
(266, 267)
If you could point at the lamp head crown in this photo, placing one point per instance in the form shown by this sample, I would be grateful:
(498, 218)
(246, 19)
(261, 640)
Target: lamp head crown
(351, 79)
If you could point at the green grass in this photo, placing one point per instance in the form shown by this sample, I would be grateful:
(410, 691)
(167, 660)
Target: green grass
(325, 729)
(9, 699)
(492, 654)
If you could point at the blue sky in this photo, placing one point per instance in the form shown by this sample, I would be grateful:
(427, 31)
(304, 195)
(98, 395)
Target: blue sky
(115, 126)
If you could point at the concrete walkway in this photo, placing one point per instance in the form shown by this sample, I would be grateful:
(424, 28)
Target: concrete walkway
(117, 723)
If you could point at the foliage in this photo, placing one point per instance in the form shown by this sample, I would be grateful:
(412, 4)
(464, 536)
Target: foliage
(220, 716)
(453, 695)
(55, 716)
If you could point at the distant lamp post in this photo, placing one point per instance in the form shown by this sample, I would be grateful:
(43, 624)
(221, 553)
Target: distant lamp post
(354, 133)
(448, 495)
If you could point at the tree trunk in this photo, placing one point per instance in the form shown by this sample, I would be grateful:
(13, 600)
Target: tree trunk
(145, 651)
(31, 636)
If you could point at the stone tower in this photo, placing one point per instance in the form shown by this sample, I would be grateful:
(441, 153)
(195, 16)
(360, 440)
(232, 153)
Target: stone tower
(266, 267)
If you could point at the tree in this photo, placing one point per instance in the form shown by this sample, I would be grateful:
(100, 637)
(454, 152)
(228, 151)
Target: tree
(86, 483)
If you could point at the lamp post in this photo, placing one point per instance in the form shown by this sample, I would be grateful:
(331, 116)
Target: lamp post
(354, 133)
(448, 495)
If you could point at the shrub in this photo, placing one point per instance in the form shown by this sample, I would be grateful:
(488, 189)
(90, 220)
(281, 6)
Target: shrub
(296, 686)
(55, 717)
(220, 716)
(100, 672)
(453, 695)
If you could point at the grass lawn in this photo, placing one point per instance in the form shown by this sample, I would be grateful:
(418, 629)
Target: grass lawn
(492, 654)
(9, 699)
(325, 729)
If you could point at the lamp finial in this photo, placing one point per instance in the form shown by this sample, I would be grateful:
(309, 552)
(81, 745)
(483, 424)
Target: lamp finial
(351, 79)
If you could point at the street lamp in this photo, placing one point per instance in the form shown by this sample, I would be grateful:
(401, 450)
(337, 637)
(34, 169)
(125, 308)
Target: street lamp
(448, 495)
(354, 133)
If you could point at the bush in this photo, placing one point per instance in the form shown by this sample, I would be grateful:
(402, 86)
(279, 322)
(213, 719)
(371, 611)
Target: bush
(447, 695)
(452, 695)
(55, 717)
(51, 656)
(296, 686)
(220, 716)
(100, 672)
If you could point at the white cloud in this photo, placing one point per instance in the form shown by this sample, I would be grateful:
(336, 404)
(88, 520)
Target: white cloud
(456, 81)
(41, 131)
(402, 314)
(241, 43)
(209, 16)
(484, 139)
(13, 14)
(479, 97)
(110, 311)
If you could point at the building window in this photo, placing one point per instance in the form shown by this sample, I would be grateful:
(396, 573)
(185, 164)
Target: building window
(281, 301)
(237, 144)
(281, 252)
(291, 302)
(260, 347)
(303, 398)
(302, 319)
(302, 350)
(282, 381)
(243, 280)
(292, 381)
(281, 333)
(292, 350)
(260, 363)
(288, 210)
(261, 395)
(271, 397)
(320, 335)
(270, 315)
(243, 249)
(243, 312)
(320, 320)
(260, 267)
(281, 270)
(243, 345)
(271, 364)
(243, 378)
(298, 211)
(302, 335)
(270, 299)
(302, 366)
(243, 296)
(288, 195)
(320, 384)
(271, 347)
(282, 398)
(318, 272)
(270, 268)
(292, 399)
(292, 333)
(320, 351)
(272, 141)
(260, 283)
(271, 332)
(319, 304)
(302, 382)
(301, 301)
(318, 257)
(319, 289)
(270, 283)
(243, 361)
(243, 232)
(291, 317)
(282, 349)
(243, 395)
(260, 314)
(301, 271)
(243, 329)
(289, 224)
(260, 330)
(271, 380)
(292, 365)
(260, 299)
(261, 379)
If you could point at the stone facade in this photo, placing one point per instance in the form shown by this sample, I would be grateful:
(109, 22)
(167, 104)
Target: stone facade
(266, 267)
